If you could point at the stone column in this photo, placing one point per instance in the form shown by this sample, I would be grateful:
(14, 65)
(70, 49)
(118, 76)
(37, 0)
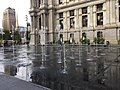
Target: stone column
(80, 17)
(107, 12)
(33, 3)
(50, 2)
(112, 11)
(104, 14)
(77, 22)
(45, 2)
(37, 2)
(32, 22)
(30, 3)
(38, 22)
(90, 16)
(65, 20)
(94, 16)
(32, 39)
(44, 16)
(77, 26)
(51, 24)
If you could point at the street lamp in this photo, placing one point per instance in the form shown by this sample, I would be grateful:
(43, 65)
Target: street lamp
(27, 42)
(12, 34)
(36, 37)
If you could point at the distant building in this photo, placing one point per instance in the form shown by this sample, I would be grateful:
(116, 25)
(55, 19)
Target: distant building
(9, 19)
(22, 30)
(10, 70)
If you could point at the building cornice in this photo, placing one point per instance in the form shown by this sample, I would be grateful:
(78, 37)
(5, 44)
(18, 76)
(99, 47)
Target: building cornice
(33, 10)
(77, 5)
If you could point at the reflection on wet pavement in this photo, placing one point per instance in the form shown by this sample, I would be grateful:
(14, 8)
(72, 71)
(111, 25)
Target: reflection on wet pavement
(67, 67)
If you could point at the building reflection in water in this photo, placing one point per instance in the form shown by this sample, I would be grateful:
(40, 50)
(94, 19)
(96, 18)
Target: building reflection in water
(87, 67)
(10, 70)
(92, 74)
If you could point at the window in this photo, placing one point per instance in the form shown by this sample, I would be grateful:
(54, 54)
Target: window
(39, 3)
(84, 21)
(61, 20)
(100, 18)
(100, 7)
(40, 23)
(31, 18)
(60, 1)
(83, 34)
(61, 24)
(119, 14)
(99, 14)
(99, 34)
(61, 15)
(84, 10)
(119, 2)
(71, 0)
(84, 17)
(72, 13)
(72, 23)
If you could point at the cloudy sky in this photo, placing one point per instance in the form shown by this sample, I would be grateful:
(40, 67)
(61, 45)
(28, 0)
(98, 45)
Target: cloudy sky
(21, 7)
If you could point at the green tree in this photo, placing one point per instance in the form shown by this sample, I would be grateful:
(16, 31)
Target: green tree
(17, 37)
(27, 35)
(7, 35)
(0, 36)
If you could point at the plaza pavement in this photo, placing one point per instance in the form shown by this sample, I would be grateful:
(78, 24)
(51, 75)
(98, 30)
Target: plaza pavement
(11, 83)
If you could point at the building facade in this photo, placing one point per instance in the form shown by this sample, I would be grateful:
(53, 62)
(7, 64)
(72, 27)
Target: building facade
(9, 19)
(73, 17)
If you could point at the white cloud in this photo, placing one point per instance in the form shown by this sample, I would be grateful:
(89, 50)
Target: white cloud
(21, 7)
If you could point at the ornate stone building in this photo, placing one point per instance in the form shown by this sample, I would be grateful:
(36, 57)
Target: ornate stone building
(73, 17)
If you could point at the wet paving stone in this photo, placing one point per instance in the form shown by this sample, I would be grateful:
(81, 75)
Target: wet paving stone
(66, 67)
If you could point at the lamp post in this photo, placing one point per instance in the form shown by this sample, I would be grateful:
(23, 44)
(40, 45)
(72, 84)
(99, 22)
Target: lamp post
(27, 42)
(36, 37)
(93, 34)
(12, 36)
(46, 39)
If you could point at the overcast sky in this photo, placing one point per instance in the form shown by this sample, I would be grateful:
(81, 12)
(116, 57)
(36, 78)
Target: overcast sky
(21, 7)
